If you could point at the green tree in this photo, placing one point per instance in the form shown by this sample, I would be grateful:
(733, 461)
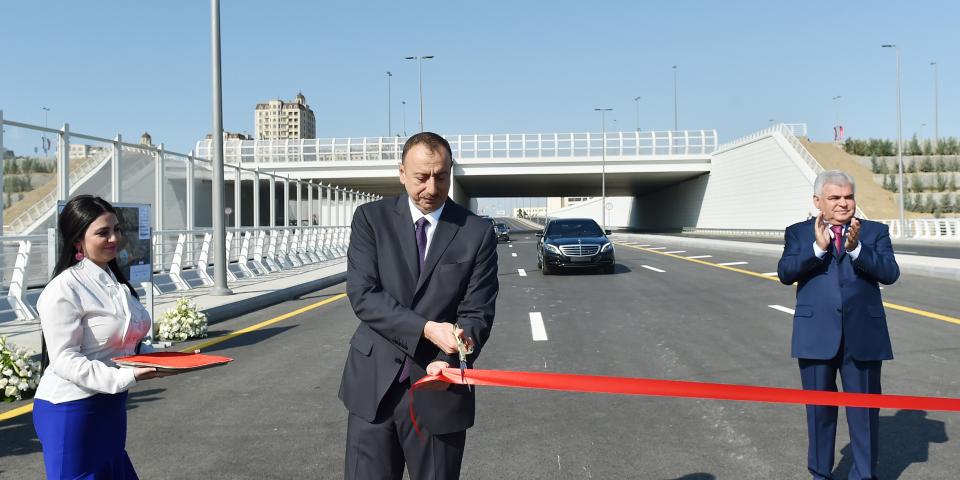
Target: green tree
(952, 183)
(916, 183)
(908, 202)
(941, 182)
(913, 147)
(874, 166)
(926, 165)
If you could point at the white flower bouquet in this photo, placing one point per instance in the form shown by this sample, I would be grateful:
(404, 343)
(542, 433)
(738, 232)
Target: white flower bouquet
(181, 322)
(18, 374)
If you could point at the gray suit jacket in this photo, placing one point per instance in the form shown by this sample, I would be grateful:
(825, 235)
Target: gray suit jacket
(458, 285)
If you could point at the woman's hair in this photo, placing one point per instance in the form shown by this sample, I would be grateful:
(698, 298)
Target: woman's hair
(73, 222)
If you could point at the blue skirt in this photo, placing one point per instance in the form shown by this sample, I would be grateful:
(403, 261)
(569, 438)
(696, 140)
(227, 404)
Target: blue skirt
(84, 439)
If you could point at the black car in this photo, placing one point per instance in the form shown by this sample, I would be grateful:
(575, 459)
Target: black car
(503, 232)
(574, 243)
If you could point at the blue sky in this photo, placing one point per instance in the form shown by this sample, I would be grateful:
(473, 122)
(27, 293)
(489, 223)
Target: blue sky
(501, 67)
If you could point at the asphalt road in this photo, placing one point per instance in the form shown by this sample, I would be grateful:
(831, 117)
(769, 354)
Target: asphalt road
(274, 413)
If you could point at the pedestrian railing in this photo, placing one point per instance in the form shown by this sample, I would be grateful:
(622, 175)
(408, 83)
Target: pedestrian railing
(466, 147)
(927, 229)
(182, 259)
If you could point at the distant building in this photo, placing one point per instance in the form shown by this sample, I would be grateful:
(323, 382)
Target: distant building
(146, 139)
(281, 120)
(231, 136)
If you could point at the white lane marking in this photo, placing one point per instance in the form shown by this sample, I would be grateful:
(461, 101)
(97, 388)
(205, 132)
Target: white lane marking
(676, 251)
(644, 245)
(732, 263)
(514, 254)
(522, 272)
(537, 329)
(655, 269)
(769, 274)
(511, 246)
(904, 251)
(701, 256)
(782, 309)
(657, 248)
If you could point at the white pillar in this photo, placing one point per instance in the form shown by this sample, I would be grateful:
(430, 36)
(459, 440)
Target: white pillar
(256, 197)
(286, 201)
(191, 189)
(273, 200)
(63, 164)
(236, 197)
(158, 190)
(2, 154)
(310, 203)
(299, 202)
(115, 169)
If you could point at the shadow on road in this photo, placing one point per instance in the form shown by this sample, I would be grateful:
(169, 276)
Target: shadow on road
(905, 439)
(247, 339)
(697, 476)
(19, 438)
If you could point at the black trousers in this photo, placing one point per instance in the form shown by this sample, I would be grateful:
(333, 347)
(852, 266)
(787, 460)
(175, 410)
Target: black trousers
(379, 449)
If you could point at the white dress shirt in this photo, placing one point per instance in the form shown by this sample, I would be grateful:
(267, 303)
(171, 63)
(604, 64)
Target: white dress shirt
(854, 254)
(87, 318)
(432, 219)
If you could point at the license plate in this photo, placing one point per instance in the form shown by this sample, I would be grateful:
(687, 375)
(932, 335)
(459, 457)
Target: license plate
(579, 259)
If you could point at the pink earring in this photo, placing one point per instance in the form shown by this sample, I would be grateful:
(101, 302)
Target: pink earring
(78, 256)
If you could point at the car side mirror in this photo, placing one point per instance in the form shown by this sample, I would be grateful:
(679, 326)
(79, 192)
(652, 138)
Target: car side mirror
(608, 232)
(539, 234)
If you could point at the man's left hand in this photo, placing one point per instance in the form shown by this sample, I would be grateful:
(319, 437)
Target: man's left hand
(434, 369)
(853, 235)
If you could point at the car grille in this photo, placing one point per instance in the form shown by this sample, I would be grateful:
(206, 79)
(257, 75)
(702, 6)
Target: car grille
(580, 250)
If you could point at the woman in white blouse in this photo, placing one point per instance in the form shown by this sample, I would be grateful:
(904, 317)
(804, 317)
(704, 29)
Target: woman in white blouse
(89, 314)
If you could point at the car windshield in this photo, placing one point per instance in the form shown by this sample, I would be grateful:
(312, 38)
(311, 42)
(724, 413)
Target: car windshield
(501, 227)
(574, 228)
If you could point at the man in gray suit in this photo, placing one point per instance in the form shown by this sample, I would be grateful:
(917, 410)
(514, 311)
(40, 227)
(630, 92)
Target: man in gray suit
(421, 274)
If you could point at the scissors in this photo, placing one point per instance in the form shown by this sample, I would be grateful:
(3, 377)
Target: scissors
(463, 350)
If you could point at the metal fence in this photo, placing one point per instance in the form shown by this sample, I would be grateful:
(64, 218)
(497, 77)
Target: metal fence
(466, 147)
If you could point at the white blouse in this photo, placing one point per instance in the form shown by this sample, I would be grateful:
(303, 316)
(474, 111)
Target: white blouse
(87, 318)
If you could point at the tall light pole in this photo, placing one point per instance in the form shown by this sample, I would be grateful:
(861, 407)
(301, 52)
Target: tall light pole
(389, 125)
(675, 107)
(404, 112)
(44, 143)
(836, 116)
(219, 225)
(903, 223)
(420, 60)
(637, 100)
(603, 166)
(936, 107)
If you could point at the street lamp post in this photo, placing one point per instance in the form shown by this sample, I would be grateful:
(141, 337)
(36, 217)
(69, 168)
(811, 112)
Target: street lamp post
(44, 143)
(936, 107)
(637, 100)
(403, 103)
(219, 222)
(419, 60)
(675, 107)
(389, 124)
(836, 116)
(903, 223)
(603, 166)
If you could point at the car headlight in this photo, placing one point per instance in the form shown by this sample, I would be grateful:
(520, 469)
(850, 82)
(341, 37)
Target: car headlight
(607, 247)
(551, 248)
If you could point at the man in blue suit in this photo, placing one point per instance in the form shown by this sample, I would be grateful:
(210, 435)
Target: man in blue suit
(838, 262)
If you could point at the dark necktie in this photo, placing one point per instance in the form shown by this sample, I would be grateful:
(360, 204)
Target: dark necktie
(421, 234)
(837, 238)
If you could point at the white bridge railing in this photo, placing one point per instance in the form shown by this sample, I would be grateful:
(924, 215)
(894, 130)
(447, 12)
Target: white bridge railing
(465, 147)
(182, 259)
(927, 229)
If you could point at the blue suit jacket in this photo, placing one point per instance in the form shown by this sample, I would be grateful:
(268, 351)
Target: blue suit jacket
(838, 297)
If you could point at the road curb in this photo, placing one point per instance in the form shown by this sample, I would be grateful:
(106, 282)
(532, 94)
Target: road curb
(245, 306)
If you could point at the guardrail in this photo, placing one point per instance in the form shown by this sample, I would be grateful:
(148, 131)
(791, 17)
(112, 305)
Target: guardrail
(734, 232)
(181, 258)
(926, 229)
(464, 147)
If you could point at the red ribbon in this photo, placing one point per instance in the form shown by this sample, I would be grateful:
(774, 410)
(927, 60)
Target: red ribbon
(685, 389)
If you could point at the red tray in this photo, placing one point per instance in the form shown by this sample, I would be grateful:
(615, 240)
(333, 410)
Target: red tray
(173, 361)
